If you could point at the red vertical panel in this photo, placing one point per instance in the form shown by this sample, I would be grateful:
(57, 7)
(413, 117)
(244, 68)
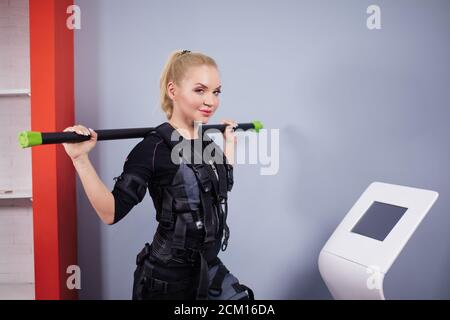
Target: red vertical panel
(65, 105)
(52, 109)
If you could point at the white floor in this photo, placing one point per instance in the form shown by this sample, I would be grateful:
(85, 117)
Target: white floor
(16, 291)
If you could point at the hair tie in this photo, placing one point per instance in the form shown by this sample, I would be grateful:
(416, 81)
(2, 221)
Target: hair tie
(185, 51)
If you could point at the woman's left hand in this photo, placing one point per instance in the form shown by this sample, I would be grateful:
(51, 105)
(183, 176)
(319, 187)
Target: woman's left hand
(229, 134)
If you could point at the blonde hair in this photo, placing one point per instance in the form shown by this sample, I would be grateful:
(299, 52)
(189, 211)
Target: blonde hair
(175, 69)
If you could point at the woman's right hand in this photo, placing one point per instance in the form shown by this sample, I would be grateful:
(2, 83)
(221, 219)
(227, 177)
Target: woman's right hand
(79, 149)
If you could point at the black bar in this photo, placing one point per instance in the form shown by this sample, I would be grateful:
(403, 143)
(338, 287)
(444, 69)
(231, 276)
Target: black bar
(116, 134)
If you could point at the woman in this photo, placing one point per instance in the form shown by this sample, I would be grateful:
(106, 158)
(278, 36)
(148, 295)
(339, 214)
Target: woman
(190, 196)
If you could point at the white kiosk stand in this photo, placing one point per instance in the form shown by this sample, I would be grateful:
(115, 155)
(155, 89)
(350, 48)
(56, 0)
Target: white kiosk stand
(363, 247)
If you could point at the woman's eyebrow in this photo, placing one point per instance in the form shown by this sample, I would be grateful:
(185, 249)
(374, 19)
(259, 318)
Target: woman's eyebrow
(207, 87)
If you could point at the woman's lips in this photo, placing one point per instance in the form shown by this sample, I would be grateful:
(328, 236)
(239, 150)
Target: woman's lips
(207, 113)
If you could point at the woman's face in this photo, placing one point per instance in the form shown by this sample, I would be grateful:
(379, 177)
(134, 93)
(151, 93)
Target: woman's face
(197, 96)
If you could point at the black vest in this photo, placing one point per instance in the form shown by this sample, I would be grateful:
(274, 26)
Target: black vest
(192, 208)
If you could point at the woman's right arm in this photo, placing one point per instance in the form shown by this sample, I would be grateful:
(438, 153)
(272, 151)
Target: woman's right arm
(98, 194)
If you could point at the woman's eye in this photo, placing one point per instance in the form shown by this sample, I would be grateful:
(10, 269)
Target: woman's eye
(215, 92)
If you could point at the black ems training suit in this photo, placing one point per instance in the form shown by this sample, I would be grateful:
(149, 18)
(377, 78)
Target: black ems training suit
(190, 198)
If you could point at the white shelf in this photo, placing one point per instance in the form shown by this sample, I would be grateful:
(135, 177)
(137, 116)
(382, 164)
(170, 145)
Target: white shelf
(14, 92)
(17, 291)
(16, 194)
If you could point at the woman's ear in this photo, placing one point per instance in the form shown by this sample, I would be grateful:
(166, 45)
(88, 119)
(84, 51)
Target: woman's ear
(171, 90)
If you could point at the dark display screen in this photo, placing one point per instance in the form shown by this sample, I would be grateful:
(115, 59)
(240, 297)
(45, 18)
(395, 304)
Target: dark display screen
(379, 220)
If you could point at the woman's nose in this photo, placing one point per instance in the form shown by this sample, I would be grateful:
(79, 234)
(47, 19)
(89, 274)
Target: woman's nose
(209, 100)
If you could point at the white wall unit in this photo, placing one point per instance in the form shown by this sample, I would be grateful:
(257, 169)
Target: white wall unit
(16, 213)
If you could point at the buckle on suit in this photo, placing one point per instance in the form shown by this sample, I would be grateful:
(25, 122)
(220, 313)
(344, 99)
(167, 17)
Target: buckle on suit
(145, 252)
(159, 285)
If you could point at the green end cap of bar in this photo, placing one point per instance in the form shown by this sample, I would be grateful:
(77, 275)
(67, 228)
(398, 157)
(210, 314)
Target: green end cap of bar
(258, 125)
(30, 139)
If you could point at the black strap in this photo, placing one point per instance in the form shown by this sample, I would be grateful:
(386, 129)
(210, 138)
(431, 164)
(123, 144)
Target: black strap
(166, 216)
(215, 289)
(243, 287)
(179, 234)
(222, 173)
(202, 290)
(226, 232)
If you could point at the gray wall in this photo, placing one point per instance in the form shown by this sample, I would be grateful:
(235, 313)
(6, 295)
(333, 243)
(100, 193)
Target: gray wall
(353, 106)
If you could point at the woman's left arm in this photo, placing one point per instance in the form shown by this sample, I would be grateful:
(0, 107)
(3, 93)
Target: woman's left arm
(230, 140)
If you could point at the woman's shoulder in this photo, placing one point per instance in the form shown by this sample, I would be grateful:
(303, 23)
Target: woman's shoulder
(148, 146)
(152, 153)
